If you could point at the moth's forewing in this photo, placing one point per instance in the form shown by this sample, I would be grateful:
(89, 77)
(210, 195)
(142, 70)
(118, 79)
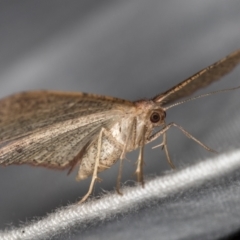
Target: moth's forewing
(51, 128)
(27, 112)
(199, 80)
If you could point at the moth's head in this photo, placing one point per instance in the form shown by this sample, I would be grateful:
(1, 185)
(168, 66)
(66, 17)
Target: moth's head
(151, 113)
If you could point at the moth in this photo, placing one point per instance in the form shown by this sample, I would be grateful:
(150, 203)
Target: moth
(63, 130)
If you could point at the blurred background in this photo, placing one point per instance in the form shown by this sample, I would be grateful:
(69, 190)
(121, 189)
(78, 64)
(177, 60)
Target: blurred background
(133, 50)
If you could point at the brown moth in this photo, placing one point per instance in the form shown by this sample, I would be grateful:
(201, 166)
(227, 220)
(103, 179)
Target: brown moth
(65, 130)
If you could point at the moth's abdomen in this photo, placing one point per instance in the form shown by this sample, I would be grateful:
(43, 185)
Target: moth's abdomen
(110, 152)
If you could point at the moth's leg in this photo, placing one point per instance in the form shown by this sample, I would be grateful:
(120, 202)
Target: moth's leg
(139, 170)
(163, 130)
(166, 150)
(119, 177)
(130, 131)
(94, 176)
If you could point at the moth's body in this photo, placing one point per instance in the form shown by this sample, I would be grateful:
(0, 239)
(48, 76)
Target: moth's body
(131, 130)
(60, 149)
(64, 130)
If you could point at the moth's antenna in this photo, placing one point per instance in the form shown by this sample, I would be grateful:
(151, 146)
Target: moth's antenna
(200, 96)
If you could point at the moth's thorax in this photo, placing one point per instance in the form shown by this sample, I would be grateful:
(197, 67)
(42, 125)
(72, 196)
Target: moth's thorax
(136, 126)
(128, 133)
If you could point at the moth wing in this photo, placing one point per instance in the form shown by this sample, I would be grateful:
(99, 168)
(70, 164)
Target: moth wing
(53, 128)
(26, 113)
(199, 80)
(54, 150)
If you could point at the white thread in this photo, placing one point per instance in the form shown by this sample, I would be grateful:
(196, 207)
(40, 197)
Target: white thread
(110, 204)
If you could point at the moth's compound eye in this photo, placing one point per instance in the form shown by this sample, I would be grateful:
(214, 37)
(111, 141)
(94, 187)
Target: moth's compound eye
(155, 117)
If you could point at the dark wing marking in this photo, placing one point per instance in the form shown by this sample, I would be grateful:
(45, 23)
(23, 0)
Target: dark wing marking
(199, 80)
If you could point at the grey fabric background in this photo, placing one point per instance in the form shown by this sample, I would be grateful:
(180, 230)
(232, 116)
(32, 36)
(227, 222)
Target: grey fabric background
(127, 49)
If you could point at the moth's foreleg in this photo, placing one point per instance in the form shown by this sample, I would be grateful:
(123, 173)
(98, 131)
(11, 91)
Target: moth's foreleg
(164, 129)
(164, 143)
(165, 148)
